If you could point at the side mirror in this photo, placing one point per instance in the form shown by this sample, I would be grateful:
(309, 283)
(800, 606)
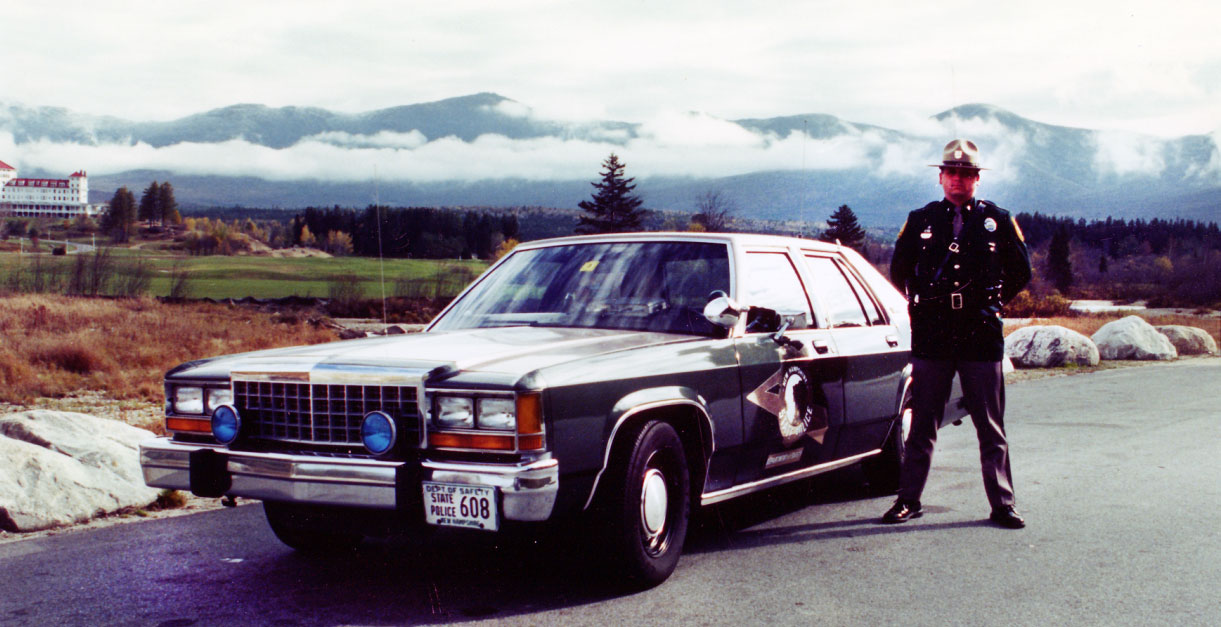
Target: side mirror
(722, 311)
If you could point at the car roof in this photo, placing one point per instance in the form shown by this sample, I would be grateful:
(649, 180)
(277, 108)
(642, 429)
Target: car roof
(739, 239)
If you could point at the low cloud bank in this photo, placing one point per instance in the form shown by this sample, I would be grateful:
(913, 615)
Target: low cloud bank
(674, 145)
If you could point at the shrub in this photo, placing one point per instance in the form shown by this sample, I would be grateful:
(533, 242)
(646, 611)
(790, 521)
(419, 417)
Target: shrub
(1026, 305)
(344, 295)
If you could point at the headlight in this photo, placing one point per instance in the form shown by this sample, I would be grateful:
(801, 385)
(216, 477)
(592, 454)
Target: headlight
(497, 413)
(455, 412)
(217, 397)
(188, 400)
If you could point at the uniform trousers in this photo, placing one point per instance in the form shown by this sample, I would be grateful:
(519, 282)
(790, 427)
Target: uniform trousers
(983, 388)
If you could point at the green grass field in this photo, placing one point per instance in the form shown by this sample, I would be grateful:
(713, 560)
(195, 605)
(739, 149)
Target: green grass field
(221, 277)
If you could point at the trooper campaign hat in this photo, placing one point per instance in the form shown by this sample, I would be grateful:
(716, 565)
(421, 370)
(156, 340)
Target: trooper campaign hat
(959, 153)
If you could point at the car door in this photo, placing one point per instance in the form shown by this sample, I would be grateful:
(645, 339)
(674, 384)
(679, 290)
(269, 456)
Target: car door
(792, 403)
(874, 352)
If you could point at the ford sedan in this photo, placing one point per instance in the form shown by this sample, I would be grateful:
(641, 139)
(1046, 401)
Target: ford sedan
(614, 381)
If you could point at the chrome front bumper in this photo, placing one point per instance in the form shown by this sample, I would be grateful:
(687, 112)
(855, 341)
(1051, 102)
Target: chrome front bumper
(528, 489)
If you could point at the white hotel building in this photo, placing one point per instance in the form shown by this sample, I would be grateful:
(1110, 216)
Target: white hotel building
(52, 198)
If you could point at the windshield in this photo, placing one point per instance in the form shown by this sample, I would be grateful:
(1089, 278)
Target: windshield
(652, 286)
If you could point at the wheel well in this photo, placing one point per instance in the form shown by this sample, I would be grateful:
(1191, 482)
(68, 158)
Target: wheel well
(692, 430)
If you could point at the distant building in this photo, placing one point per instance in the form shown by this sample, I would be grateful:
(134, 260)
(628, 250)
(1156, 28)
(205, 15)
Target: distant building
(52, 198)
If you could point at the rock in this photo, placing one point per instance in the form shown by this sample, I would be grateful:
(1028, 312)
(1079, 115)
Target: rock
(1189, 340)
(1133, 338)
(1050, 346)
(64, 467)
(352, 334)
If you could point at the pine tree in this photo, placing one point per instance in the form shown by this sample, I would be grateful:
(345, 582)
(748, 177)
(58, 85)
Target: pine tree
(1059, 265)
(844, 228)
(150, 203)
(167, 205)
(613, 209)
(118, 220)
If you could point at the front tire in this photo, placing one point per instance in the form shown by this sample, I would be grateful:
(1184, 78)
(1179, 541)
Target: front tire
(883, 471)
(305, 529)
(649, 506)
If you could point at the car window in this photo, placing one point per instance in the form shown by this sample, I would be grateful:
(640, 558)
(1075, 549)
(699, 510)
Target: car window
(653, 286)
(872, 310)
(835, 293)
(771, 281)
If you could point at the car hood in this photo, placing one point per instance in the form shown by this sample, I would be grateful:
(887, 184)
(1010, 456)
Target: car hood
(513, 351)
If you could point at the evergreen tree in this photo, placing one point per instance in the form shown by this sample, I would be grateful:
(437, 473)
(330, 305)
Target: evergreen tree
(1059, 265)
(150, 203)
(613, 209)
(167, 205)
(844, 228)
(118, 220)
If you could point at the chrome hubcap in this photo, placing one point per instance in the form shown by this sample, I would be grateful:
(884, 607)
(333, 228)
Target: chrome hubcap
(654, 501)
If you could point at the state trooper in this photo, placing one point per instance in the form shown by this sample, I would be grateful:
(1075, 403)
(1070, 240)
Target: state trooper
(959, 260)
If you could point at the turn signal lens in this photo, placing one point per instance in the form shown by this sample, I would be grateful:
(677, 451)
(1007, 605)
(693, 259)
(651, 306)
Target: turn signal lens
(471, 441)
(530, 421)
(192, 425)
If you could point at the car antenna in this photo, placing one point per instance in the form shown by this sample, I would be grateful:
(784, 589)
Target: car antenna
(381, 261)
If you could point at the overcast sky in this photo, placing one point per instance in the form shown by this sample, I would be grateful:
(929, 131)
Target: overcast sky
(1145, 66)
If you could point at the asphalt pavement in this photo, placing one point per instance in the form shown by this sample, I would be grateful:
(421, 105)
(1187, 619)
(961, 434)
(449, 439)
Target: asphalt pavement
(1118, 474)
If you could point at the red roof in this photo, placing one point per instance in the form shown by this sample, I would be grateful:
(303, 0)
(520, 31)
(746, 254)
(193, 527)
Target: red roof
(38, 183)
(5, 166)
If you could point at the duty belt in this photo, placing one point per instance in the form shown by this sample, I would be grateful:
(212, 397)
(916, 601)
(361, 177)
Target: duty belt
(955, 298)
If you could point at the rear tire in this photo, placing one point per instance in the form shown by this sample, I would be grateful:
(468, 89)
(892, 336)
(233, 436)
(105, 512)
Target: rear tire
(303, 528)
(883, 471)
(648, 506)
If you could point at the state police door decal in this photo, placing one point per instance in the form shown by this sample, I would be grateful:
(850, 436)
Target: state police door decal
(797, 404)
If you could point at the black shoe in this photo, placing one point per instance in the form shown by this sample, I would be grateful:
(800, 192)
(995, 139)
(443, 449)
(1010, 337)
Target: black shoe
(1007, 517)
(901, 511)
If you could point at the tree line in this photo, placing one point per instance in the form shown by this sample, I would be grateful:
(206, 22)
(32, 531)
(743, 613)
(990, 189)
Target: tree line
(417, 232)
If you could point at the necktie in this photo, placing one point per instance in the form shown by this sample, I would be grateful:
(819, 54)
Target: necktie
(957, 220)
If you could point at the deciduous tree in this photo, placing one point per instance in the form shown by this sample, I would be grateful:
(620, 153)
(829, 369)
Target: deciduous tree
(714, 210)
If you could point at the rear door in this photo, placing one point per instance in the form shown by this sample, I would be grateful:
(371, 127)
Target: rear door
(874, 353)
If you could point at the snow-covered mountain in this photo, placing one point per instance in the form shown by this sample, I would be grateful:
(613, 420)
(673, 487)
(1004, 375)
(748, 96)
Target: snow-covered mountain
(485, 149)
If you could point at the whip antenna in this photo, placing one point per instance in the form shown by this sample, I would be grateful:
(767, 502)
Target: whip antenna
(381, 261)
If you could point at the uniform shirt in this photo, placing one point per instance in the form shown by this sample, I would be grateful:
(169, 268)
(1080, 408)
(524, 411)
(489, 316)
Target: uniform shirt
(955, 296)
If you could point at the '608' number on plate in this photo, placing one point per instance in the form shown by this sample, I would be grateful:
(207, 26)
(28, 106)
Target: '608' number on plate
(458, 505)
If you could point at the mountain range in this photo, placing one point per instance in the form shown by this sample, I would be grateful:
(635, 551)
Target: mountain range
(488, 150)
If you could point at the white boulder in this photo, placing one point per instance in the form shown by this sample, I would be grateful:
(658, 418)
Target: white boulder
(64, 467)
(1050, 346)
(1189, 340)
(1132, 338)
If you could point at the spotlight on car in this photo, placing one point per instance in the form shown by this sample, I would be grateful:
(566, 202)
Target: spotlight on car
(377, 432)
(226, 424)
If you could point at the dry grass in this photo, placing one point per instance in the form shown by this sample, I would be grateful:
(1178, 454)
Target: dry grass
(1089, 324)
(62, 347)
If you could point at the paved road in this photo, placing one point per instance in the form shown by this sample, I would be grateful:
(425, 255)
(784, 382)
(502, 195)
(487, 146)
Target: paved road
(1118, 473)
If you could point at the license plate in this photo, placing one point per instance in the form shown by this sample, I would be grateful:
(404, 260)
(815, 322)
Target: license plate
(460, 505)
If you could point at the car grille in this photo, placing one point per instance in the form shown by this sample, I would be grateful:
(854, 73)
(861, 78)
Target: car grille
(321, 414)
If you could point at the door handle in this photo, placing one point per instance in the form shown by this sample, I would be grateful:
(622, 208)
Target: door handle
(892, 340)
(821, 347)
